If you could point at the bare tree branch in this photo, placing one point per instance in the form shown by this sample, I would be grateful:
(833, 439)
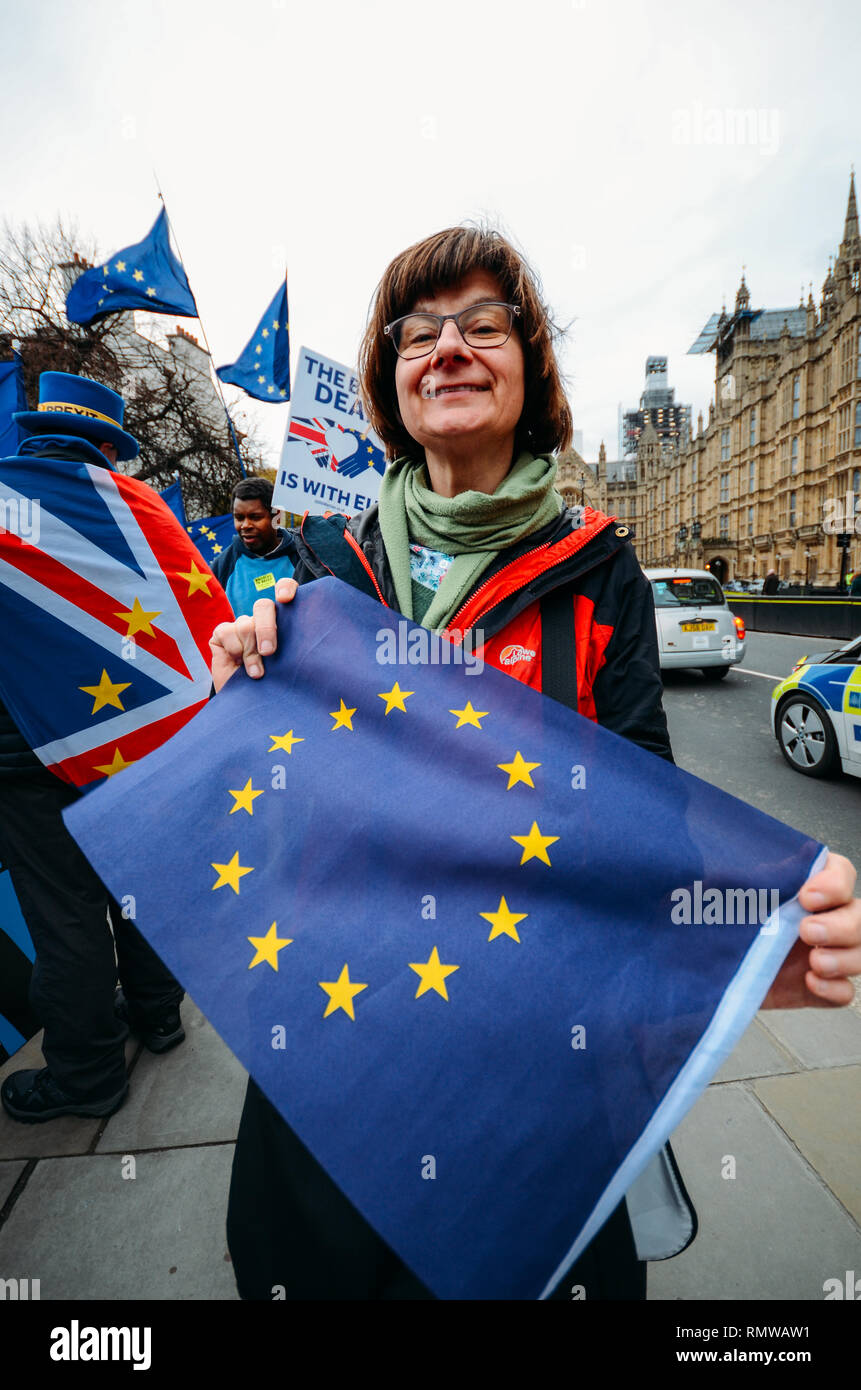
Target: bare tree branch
(172, 408)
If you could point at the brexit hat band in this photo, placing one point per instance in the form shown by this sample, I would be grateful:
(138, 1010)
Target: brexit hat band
(76, 410)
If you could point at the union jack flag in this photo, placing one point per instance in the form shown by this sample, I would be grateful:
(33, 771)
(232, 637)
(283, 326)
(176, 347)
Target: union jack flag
(337, 447)
(108, 608)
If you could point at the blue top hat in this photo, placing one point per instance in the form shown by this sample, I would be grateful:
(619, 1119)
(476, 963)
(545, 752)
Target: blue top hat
(71, 404)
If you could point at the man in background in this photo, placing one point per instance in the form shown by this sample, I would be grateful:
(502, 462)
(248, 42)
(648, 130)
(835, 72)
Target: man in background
(81, 937)
(260, 554)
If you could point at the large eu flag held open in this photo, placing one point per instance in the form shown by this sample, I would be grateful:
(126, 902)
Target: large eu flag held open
(442, 921)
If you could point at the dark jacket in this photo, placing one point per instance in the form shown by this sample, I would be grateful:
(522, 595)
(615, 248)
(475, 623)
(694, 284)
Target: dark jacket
(572, 590)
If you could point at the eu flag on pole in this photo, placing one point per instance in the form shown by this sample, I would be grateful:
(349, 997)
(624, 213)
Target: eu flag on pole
(12, 398)
(146, 276)
(172, 497)
(441, 917)
(263, 367)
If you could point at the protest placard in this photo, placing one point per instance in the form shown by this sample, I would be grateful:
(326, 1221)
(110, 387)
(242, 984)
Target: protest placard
(331, 459)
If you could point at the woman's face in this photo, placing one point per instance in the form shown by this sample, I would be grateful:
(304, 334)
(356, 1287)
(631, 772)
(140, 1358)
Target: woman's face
(460, 394)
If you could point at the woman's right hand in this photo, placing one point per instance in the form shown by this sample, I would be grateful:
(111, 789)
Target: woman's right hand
(247, 640)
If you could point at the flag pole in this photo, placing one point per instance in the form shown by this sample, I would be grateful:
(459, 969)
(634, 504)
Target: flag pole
(203, 335)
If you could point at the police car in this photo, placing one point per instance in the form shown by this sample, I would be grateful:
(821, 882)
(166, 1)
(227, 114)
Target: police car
(816, 713)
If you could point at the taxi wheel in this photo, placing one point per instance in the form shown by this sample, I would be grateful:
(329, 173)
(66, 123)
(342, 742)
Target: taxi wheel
(715, 673)
(806, 736)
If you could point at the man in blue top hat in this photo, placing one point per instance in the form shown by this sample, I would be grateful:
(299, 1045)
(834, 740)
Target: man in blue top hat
(81, 938)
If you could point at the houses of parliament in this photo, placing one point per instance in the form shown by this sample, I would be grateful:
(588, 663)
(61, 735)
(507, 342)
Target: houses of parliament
(774, 475)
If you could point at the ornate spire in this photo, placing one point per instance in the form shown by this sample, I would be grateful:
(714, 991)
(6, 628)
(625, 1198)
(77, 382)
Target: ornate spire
(742, 299)
(850, 230)
(602, 453)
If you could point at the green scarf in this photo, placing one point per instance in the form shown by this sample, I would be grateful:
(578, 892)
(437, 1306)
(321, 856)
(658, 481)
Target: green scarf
(474, 526)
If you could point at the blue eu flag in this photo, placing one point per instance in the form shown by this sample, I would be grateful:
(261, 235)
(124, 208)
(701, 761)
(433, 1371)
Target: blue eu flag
(172, 496)
(146, 276)
(263, 367)
(12, 398)
(212, 534)
(481, 953)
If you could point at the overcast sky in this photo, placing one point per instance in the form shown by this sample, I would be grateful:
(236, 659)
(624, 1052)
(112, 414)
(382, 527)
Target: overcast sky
(604, 136)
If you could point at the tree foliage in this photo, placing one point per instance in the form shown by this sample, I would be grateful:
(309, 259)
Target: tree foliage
(172, 407)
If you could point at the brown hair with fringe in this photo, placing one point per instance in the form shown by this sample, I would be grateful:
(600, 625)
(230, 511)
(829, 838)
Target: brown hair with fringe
(443, 261)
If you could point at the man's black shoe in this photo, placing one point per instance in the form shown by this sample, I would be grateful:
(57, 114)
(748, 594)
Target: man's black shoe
(160, 1030)
(33, 1096)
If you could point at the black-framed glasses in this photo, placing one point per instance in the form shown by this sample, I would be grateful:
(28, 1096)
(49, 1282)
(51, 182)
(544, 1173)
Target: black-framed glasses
(485, 325)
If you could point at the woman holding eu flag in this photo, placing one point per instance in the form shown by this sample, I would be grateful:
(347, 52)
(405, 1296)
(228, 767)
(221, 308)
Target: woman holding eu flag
(460, 380)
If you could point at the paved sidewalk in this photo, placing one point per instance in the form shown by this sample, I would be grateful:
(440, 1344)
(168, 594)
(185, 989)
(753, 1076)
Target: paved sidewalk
(785, 1108)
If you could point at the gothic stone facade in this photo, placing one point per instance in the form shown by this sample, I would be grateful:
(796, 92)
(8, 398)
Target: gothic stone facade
(776, 472)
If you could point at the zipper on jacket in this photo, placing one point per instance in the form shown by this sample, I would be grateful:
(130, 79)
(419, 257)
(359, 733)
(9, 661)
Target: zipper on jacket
(351, 540)
(494, 577)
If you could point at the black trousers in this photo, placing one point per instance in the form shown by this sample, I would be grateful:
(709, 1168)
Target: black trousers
(66, 908)
(290, 1227)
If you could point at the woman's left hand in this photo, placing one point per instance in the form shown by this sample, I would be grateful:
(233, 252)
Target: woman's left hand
(820, 977)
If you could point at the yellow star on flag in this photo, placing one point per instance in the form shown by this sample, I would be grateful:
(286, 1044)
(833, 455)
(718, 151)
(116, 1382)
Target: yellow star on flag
(121, 265)
(341, 993)
(535, 844)
(265, 333)
(518, 771)
(395, 698)
(116, 764)
(468, 715)
(503, 920)
(138, 620)
(230, 873)
(268, 946)
(343, 718)
(285, 741)
(209, 533)
(432, 974)
(138, 275)
(217, 549)
(105, 693)
(151, 292)
(243, 799)
(275, 324)
(196, 579)
(282, 393)
(260, 380)
(258, 348)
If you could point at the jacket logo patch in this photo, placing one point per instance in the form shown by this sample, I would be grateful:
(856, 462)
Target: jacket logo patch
(510, 655)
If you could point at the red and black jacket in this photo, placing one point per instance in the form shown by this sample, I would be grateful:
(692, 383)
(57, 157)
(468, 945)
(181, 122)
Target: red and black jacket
(567, 611)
